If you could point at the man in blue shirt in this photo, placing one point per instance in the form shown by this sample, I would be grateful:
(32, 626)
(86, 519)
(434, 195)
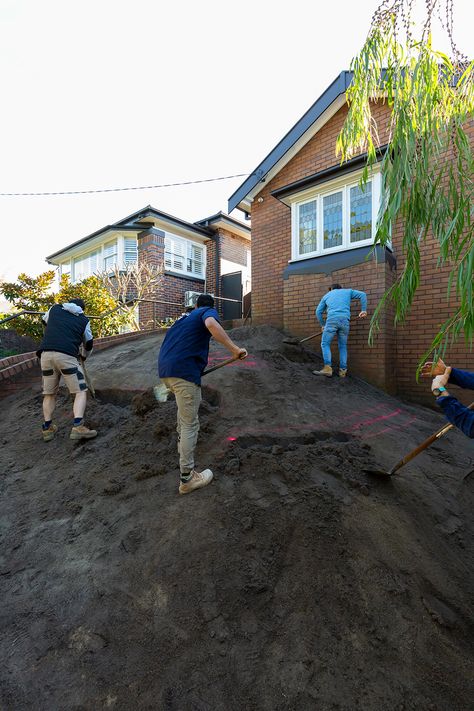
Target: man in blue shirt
(457, 413)
(337, 305)
(183, 357)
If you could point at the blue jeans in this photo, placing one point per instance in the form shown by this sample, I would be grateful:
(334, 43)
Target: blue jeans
(339, 326)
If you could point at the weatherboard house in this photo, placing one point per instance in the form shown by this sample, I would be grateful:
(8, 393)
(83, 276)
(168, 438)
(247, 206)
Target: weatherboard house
(211, 255)
(313, 226)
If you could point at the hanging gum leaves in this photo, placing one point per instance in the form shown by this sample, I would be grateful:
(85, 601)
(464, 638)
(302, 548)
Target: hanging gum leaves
(427, 171)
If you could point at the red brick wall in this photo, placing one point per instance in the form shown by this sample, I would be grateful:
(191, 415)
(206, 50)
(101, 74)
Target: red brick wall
(172, 287)
(234, 248)
(392, 362)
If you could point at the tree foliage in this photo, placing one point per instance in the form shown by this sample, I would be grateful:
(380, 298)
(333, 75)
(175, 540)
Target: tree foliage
(427, 171)
(135, 282)
(36, 294)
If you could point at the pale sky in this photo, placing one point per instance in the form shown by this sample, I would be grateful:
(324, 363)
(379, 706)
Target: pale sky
(111, 93)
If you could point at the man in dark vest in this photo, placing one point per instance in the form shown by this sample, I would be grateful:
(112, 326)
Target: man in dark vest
(67, 333)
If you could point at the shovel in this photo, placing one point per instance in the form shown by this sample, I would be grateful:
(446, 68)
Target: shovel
(415, 452)
(161, 391)
(295, 342)
(87, 378)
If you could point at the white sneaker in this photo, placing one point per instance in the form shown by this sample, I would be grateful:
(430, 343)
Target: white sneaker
(197, 481)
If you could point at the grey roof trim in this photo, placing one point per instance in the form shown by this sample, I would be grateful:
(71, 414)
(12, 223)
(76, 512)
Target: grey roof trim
(324, 175)
(339, 86)
(224, 217)
(104, 230)
(132, 223)
(150, 211)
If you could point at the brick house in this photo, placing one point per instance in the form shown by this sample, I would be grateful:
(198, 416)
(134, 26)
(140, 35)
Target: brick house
(312, 226)
(212, 255)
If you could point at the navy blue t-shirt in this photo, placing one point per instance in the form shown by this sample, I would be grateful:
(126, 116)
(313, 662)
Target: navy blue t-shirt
(185, 350)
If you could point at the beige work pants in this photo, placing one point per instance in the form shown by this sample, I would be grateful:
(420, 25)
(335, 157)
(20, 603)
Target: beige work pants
(188, 397)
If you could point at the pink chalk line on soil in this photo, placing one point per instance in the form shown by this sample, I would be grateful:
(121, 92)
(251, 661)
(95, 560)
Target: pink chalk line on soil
(346, 428)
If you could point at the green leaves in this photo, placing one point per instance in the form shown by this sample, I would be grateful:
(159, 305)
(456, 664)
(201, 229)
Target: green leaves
(427, 174)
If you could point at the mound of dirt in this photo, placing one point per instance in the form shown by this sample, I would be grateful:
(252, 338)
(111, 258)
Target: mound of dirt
(294, 582)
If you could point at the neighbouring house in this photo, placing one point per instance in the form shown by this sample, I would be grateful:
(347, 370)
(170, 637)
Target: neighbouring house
(211, 255)
(312, 226)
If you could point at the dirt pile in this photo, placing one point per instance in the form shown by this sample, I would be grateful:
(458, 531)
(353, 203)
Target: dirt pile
(293, 583)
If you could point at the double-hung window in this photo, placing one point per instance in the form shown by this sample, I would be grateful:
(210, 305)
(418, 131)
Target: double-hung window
(336, 216)
(130, 251)
(184, 256)
(86, 265)
(110, 256)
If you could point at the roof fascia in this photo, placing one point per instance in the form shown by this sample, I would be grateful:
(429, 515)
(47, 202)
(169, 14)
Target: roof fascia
(102, 232)
(298, 135)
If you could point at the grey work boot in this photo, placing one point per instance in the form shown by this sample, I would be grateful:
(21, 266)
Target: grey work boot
(48, 434)
(327, 371)
(197, 481)
(342, 372)
(82, 432)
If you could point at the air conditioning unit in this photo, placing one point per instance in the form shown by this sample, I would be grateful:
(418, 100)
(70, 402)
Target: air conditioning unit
(191, 297)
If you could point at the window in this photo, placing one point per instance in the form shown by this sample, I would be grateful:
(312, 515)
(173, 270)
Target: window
(110, 256)
(184, 256)
(86, 265)
(335, 217)
(130, 251)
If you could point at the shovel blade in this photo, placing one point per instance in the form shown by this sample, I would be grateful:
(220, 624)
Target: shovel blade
(291, 341)
(377, 472)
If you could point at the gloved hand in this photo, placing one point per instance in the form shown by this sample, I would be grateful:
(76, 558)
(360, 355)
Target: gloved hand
(441, 380)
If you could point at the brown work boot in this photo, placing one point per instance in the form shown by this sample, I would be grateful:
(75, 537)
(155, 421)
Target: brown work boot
(82, 432)
(49, 433)
(197, 481)
(327, 371)
(342, 372)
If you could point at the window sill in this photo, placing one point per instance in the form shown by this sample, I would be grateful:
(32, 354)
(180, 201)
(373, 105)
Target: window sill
(182, 275)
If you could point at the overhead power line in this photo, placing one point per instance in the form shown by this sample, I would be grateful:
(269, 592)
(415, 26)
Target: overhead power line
(118, 190)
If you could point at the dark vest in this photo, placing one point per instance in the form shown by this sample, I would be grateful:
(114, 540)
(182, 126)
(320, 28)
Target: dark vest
(64, 331)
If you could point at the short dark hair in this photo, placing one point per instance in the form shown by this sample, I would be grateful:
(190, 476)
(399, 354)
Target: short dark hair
(78, 302)
(335, 286)
(205, 300)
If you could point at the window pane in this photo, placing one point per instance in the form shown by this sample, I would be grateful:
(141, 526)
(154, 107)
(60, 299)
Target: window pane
(361, 213)
(332, 220)
(130, 250)
(307, 227)
(195, 259)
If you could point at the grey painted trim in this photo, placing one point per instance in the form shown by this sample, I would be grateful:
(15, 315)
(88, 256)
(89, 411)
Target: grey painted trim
(149, 211)
(108, 228)
(329, 263)
(224, 217)
(132, 223)
(183, 276)
(339, 86)
(323, 175)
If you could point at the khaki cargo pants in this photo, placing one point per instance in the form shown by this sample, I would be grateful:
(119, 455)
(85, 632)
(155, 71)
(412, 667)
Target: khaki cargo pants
(188, 398)
(53, 365)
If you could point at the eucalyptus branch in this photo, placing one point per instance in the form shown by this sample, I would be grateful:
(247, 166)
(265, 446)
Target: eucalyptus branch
(427, 171)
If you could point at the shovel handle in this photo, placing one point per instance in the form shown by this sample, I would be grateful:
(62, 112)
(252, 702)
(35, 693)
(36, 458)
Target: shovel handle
(424, 445)
(308, 338)
(221, 365)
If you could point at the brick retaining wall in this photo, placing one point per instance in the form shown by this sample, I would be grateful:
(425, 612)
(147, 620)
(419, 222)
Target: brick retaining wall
(21, 371)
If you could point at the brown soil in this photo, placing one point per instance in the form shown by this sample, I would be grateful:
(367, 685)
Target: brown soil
(294, 582)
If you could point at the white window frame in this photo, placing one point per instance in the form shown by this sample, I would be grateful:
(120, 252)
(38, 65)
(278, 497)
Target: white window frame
(188, 245)
(318, 193)
(115, 254)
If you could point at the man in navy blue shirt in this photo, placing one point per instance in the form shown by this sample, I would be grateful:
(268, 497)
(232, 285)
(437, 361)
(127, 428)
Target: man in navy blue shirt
(457, 413)
(337, 305)
(183, 357)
